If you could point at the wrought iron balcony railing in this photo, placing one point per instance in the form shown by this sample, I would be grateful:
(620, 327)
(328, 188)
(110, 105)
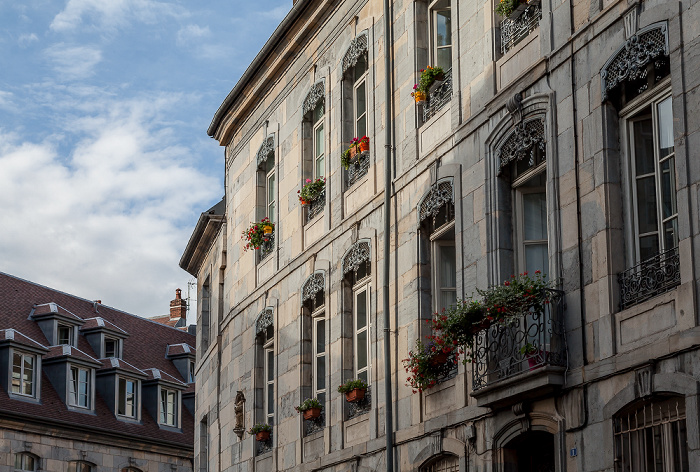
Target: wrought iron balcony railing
(649, 278)
(267, 247)
(316, 206)
(514, 29)
(439, 96)
(363, 406)
(358, 168)
(529, 341)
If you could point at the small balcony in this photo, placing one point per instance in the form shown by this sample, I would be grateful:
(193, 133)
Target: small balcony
(439, 95)
(650, 278)
(316, 206)
(523, 21)
(523, 358)
(358, 168)
(267, 247)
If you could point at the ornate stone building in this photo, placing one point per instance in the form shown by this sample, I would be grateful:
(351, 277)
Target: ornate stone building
(560, 139)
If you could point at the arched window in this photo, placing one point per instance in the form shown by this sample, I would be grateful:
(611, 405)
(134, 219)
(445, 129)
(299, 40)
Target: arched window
(357, 272)
(79, 466)
(130, 469)
(25, 461)
(314, 144)
(265, 332)
(267, 191)
(314, 306)
(530, 451)
(652, 436)
(446, 463)
(355, 100)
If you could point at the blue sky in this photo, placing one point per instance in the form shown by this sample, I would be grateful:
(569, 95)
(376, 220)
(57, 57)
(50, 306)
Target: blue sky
(105, 164)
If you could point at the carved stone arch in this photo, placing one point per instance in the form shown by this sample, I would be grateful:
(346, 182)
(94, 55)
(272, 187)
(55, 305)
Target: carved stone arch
(315, 283)
(358, 46)
(37, 459)
(266, 148)
(358, 253)
(264, 319)
(440, 193)
(630, 60)
(533, 422)
(315, 95)
(438, 446)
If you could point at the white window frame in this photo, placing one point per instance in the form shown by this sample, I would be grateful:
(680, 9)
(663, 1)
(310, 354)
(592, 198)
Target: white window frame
(436, 244)
(519, 189)
(23, 459)
(434, 9)
(270, 190)
(71, 330)
(74, 395)
(269, 380)
(22, 382)
(135, 400)
(362, 285)
(318, 317)
(170, 394)
(117, 347)
(191, 373)
(355, 119)
(628, 116)
(319, 124)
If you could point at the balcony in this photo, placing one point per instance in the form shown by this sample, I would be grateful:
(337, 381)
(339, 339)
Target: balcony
(439, 95)
(358, 168)
(267, 247)
(316, 206)
(650, 278)
(523, 21)
(523, 358)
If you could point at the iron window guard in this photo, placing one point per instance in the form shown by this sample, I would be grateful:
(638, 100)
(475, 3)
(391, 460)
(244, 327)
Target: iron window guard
(315, 425)
(316, 205)
(500, 351)
(263, 447)
(358, 168)
(650, 278)
(514, 30)
(439, 95)
(361, 407)
(267, 247)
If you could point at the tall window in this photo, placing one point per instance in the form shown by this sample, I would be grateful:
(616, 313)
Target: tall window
(191, 376)
(270, 187)
(79, 466)
(23, 374)
(357, 270)
(127, 401)
(319, 146)
(65, 334)
(653, 172)
(204, 445)
(652, 437)
(25, 462)
(359, 97)
(169, 407)
(530, 202)
(79, 388)
(205, 320)
(441, 34)
(265, 331)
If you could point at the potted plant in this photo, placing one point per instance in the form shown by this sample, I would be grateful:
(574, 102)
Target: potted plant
(311, 408)
(505, 8)
(311, 190)
(354, 390)
(519, 295)
(357, 146)
(530, 351)
(362, 144)
(428, 362)
(418, 95)
(258, 233)
(261, 431)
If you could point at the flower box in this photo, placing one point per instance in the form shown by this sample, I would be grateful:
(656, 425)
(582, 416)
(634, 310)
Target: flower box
(438, 359)
(312, 413)
(355, 395)
(262, 436)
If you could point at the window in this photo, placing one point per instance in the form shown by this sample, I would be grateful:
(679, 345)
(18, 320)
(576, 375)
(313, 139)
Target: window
(359, 97)
(79, 466)
(441, 34)
(270, 187)
(319, 146)
(269, 383)
(168, 407)
(127, 398)
(111, 347)
(319, 340)
(360, 280)
(652, 437)
(530, 201)
(653, 178)
(442, 464)
(23, 374)
(203, 445)
(25, 462)
(205, 319)
(79, 388)
(191, 378)
(65, 334)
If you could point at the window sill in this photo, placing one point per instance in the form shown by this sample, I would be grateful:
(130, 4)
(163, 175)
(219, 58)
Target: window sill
(23, 398)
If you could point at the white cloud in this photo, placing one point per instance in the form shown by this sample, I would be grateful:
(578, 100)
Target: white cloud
(189, 33)
(73, 62)
(26, 39)
(108, 16)
(110, 220)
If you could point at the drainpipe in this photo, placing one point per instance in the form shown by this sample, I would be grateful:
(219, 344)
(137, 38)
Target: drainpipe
(388, 402)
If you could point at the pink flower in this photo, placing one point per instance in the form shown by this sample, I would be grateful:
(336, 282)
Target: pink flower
(308, 181)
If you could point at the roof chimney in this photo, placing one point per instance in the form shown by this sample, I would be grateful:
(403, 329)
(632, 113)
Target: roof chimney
(178, 307)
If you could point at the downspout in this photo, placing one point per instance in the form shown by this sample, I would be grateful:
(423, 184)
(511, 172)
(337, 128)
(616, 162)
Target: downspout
(388, 402)
(218, 394)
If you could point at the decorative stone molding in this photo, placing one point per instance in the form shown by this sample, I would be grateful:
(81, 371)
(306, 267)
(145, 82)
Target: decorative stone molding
(357, 48)
(266, 148)
(629, 61)
(515, 107)
(264, 320)
(316, 94)
(358, 253)
(314, 284)
(439, 194)
(643, 381)
(522, 142)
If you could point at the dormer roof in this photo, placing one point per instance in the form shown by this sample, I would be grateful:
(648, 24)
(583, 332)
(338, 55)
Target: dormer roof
(114, 364)
(54, 310)
(160, 376)
(11, 336)
(66, 352)
(100, 324)
(180, 350)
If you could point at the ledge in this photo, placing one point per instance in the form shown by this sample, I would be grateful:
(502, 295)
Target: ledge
(525, 386)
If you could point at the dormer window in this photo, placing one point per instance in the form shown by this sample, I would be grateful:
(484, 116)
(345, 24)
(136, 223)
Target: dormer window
(169, 407)
(111, 348)
(191, 378)
(80, 387)
(127, 402)
(23, 374)
(65, 335)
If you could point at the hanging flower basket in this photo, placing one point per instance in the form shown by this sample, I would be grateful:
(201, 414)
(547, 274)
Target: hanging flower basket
(311, 190)
(257, 234)
(419, 96)
(267, 229)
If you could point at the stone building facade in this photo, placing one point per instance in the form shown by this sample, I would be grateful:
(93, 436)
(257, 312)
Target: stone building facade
(559, 140)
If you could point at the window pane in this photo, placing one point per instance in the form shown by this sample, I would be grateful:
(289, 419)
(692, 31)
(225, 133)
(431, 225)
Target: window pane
(271, 212)
(643, 147)
(271, 188)
(364, 377)
(362, 126)
(447, 298)
(270, 399)
(131, 398)
(319, 141)
(646, 205)
(648, 246)
(320, 336)
(16, 372)
(443, 28)
(270, 162)
(444, 58)
(320, 167)
(665, 112)
(270, 365)
(668, 188)
(64, 336)
(73, 386)
(28, 374)
(18, 461)
(121, 404)
(536, 258)
(448, 268)
(361, 309)
(360, 67)
(671, 234)
(163, 405)
(28, 462)
(321, 372)
(535, 216)
(361, 350)
(110, 348)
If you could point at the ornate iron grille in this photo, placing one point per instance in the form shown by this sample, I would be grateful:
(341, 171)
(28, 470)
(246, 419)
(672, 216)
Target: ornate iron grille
(438, 97)
(652, 438)
(267, 247)
(263, 447)
(359, 253)
(361, 407)
(441, 194)
(499, 350)
(514, 30)
(316, 206)
(358, 168)
(263, 321)
(315, 425)
(444, 464)
(522, 143)
(649, 278)
(314, 284)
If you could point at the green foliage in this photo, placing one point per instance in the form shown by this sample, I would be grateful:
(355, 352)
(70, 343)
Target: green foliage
(255, 234)
(425, 367)
(308, 404)
(311, 190)
(351, 385)
(506, 7)
(427, 78)
(259, 428)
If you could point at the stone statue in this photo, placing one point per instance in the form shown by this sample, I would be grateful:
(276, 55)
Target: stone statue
(238, 409)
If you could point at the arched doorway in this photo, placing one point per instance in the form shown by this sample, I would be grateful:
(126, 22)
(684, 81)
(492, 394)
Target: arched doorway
(530, 452)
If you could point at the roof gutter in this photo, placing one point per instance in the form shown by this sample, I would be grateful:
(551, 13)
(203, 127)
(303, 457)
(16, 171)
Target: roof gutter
(254, 66)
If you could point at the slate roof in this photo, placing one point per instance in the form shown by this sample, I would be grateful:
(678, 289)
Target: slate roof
(144, 348)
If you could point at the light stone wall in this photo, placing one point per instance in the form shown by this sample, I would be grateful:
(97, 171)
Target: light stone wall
(557, 69)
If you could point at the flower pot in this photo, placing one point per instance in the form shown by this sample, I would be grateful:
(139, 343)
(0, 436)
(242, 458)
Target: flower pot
(262, 436)
(438, 359)
(355, 395)
(353, 151)
(362, 147)
(419, 96)
(312, 413)
(267, 229)
(440, 77)
(304, 202)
